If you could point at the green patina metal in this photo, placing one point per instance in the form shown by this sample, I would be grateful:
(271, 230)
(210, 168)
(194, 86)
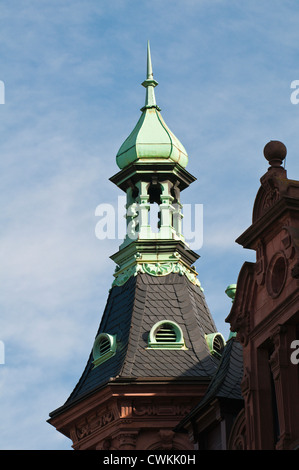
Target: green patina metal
(215, 343)
(150, 83)
(155, 269)
(151, 139)
(104, 347)
(231, 291)
(152, 162)
(166, 334)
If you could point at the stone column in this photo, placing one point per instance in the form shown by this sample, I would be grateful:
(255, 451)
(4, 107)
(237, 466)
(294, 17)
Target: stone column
(131, 216)
(166, 229)
(144, 229)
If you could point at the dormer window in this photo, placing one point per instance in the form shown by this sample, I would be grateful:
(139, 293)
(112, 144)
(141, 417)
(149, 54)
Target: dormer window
(166, 334)
(216, 343)
(104, 347)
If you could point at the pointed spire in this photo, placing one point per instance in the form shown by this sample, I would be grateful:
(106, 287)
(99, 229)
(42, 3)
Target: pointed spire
(150, 83)
(149, 63)
(151, 139)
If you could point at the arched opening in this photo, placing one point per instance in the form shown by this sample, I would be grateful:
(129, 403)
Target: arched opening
(104, 347)
(155, 192)
(166, 335)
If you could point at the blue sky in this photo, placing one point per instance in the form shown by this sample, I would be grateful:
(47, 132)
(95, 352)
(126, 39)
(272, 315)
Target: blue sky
(72, 72)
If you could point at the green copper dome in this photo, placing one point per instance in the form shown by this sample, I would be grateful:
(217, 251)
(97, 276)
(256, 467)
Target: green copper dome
(151, 140)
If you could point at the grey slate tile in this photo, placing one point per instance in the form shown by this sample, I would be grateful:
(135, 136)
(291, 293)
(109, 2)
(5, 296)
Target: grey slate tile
(131, 311)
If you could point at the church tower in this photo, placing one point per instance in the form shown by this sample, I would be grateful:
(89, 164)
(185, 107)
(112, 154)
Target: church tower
(157, 346)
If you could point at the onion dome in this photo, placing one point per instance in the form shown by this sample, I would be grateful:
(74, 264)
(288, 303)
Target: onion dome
(151, 140)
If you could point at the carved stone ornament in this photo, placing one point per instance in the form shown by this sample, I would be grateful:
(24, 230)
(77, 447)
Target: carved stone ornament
(242, 326)
(127, 440)
(271, 197)
(94, 422)
(275, 152)
(260, 266)
(161, 410)
(83, 431)
(166, 437)
(245, 384)
(237, 438)
(276, 274)
(287, 243)
(271, 191)
(290, 247)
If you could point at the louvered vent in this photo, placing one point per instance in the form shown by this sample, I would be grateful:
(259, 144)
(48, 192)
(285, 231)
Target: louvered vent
(104, 346)
(218, 344)
(166, 334)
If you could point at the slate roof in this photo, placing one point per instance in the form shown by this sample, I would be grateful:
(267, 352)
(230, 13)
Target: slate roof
(226, 383)
(130, 313)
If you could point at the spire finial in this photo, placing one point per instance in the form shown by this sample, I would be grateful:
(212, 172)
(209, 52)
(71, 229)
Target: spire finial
(150, 75)
(150, 83)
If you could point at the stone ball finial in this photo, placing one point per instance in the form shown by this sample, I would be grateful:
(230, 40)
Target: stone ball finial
(275, 152)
